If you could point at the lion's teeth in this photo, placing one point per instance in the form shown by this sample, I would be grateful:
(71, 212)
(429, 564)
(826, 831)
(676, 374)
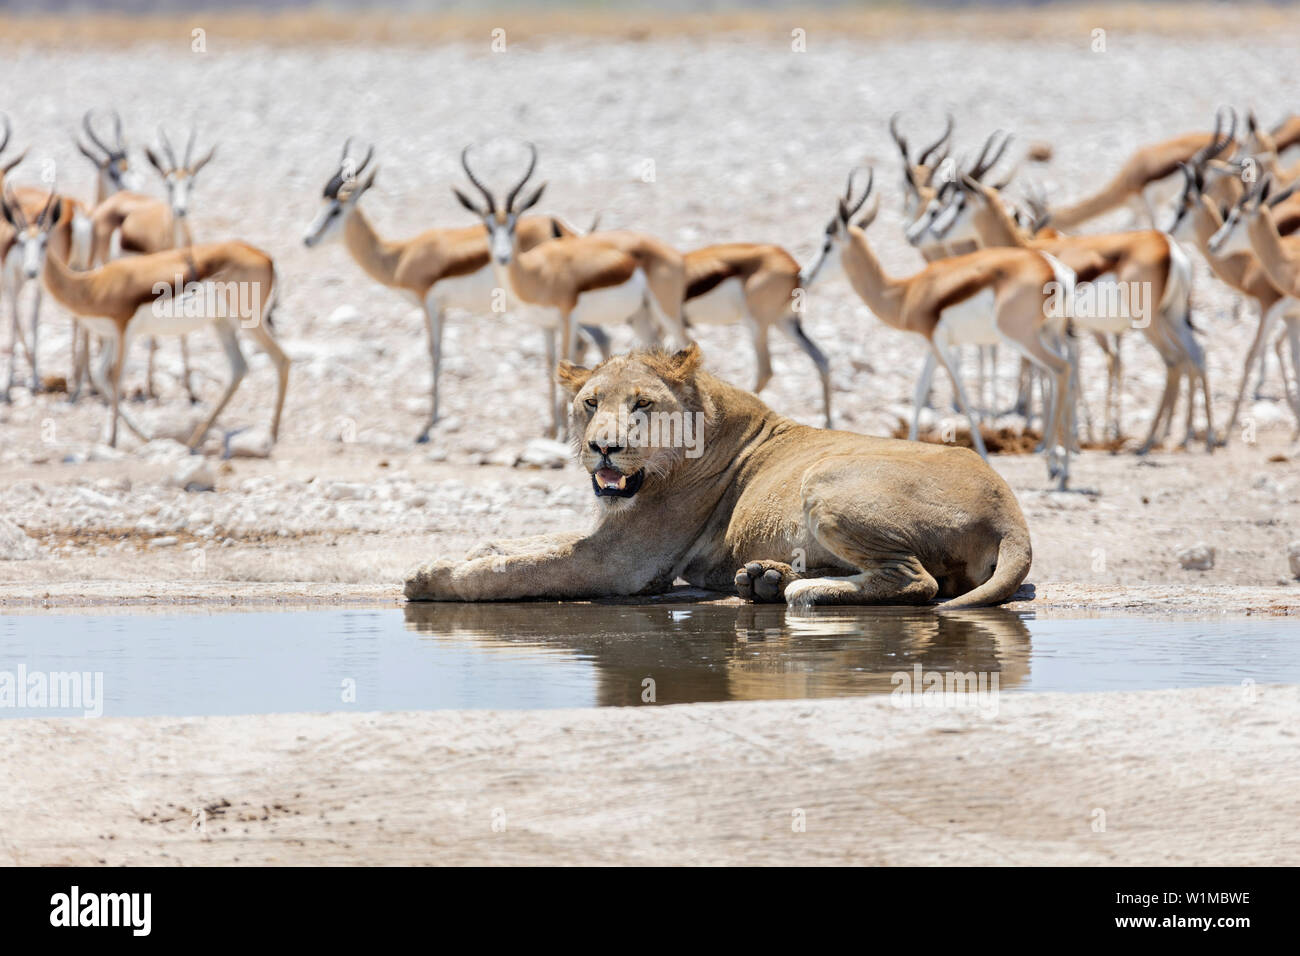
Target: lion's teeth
(622, 482)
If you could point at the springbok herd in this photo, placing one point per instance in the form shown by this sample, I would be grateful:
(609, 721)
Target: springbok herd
(997, 272)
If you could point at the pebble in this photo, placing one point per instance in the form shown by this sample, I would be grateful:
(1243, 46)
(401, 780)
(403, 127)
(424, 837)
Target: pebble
(1199, 557)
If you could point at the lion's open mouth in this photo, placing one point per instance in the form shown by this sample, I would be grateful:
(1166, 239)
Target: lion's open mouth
(610, 482)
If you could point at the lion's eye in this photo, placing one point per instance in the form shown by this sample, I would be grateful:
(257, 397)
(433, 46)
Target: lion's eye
(591, 403)
(642, 403)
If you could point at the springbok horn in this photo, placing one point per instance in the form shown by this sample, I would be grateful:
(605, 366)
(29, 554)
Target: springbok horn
(947, 131)
(487, 194)
(532, 164)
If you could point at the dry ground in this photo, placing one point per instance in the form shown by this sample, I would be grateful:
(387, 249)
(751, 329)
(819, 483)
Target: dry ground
(1050, 779)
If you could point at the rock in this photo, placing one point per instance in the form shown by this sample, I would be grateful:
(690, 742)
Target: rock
(167, 542)
(195, 475)
(164, 449)
(105, 453)
(1293, 556)
(346, 491)
(15, 544)
(543, 453)
(343, 315)
(1199, 557)
(247, 443)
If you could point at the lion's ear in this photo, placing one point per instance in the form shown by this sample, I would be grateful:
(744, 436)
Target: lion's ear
(572, 377)
(683, 364)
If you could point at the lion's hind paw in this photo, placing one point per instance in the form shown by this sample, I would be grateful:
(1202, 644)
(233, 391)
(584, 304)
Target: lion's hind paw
(764, 582)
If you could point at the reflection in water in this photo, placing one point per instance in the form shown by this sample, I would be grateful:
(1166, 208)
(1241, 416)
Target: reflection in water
(711, 652)
(536, 656)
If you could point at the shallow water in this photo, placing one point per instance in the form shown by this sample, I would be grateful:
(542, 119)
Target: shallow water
(529, 656)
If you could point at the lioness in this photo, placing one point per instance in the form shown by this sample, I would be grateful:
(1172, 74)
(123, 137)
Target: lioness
(872, 520)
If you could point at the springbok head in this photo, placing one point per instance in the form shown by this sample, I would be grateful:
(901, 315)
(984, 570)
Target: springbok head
(1247, 211)
(918, 172)
(837, 230)
(31, 237)
(501, 221)
(340, 195)
(108, 154)
(948, 216)
(178, 176)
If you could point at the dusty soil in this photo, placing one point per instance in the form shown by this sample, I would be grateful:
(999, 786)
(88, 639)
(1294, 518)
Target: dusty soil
(1049, 779)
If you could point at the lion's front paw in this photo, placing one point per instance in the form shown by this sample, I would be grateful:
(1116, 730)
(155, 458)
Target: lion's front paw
(430, 582)
(764, 581)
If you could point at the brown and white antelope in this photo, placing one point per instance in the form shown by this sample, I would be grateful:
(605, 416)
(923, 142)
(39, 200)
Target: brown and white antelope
(600, 279)
(226, 286)
(1197, 219)
(125, 222)
(1147, 180)
(991, 296)
(438, 269)
(1140, 280)
(757, 286)
(22, 254)
(1251, 225)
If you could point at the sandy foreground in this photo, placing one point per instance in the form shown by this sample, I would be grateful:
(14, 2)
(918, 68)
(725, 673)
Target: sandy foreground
(1181, 777)
(346, 502)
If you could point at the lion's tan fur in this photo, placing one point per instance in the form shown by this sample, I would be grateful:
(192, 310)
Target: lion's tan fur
(842, 517)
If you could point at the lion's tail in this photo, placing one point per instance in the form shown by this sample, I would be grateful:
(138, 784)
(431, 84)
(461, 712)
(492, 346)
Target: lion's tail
(1014, 558)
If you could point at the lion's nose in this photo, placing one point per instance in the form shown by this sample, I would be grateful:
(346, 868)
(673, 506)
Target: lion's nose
(601, 448)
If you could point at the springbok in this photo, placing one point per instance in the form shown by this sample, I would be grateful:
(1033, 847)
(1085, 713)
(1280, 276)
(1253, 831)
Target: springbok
(986, 297)
(22, 259)
(1147, 179)
(759, 287)
(1139, 279)
(600, 279)
(226, 285)
(1197, 219)
(130, 223)
(1251, 225)
(438, 269)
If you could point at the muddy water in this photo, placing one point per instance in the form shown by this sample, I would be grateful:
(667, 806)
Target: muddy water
(526, 656)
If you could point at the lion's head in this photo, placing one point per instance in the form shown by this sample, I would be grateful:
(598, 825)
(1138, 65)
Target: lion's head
(635, 419)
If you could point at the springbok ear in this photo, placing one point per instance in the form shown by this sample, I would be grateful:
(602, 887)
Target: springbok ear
(572, 377)
(467, 202)
(684, 363)
(194, 170)
(154, 161)
(54, 214)
(531, 201)
(844, 212)
(370, 181)
(8, 212)
(909, 178)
